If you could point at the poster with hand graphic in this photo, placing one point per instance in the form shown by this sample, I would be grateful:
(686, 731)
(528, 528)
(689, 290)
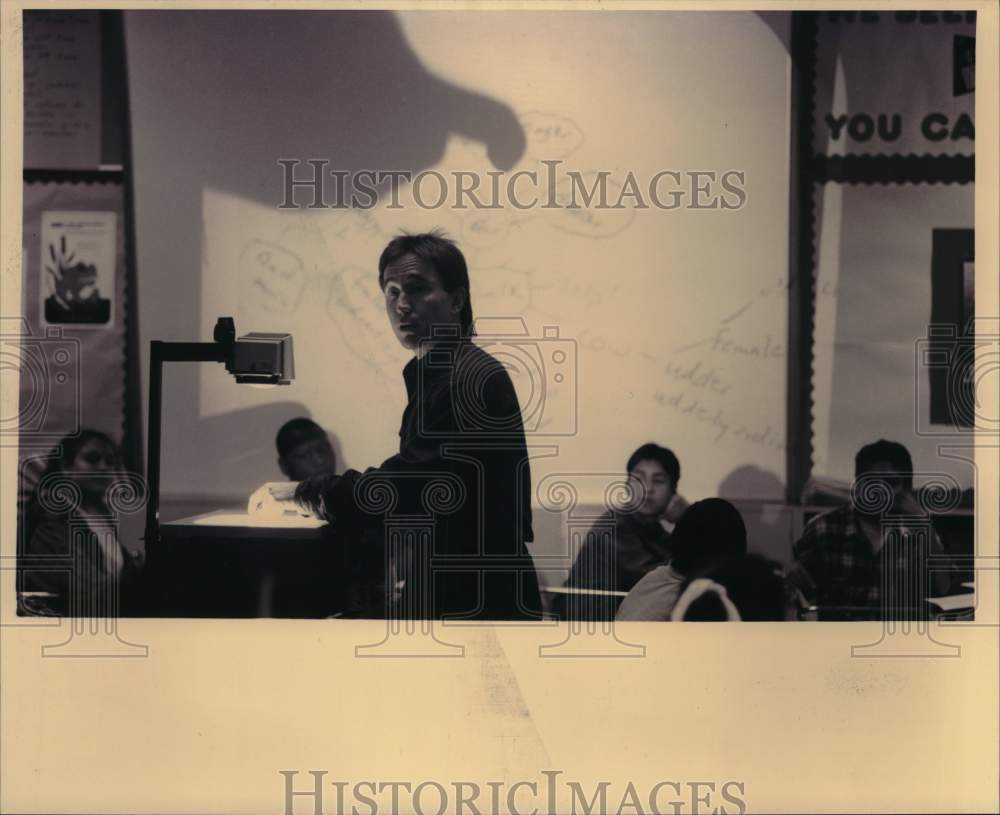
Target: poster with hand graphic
(78, 269)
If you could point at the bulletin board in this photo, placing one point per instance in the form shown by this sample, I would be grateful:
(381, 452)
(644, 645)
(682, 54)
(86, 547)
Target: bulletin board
(890, 183)
(77, 326)
(73, 359)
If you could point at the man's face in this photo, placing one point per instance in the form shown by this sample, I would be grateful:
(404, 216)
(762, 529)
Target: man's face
(652, 482)
(308, 458)
(415, 301)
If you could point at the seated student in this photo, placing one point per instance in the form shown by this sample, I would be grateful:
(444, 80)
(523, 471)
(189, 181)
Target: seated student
(842, 559)
(708, 532)
(641, 541)
(72, 556)
(749, 588)
(304, 450)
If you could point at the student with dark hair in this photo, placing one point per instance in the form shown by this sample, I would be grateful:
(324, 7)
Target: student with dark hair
(304, 450)
(843, 561)
(886, 456)
(750, 588)
(72, 560)
(707, 533)
(640, 542)
(462, 460)
(661, 455)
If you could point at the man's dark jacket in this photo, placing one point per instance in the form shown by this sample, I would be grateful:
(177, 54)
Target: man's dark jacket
(462, 465)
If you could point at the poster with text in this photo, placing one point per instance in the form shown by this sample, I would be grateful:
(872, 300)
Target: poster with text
(895, 82)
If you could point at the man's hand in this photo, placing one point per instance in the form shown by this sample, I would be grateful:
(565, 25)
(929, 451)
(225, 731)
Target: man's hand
(274, 499)
(678, 504)
(282, 490)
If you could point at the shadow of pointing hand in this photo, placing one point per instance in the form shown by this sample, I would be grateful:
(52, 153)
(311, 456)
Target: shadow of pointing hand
(491, 122)
(245, 89)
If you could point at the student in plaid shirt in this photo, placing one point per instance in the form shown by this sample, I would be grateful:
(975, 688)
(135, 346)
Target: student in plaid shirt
(873, 557)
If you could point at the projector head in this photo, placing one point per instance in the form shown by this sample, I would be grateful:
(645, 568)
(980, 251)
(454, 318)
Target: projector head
(261, 358)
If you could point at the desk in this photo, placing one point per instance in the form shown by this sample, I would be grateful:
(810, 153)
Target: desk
(228, 564)
(961, 606)
(954, 606)
(594, 605)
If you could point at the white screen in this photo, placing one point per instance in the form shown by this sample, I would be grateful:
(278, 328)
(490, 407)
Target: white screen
(676, 318)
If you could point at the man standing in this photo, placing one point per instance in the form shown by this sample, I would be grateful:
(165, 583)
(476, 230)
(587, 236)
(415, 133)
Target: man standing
(461, 451)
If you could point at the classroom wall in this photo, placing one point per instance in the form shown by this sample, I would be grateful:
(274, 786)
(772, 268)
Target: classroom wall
(676, 318)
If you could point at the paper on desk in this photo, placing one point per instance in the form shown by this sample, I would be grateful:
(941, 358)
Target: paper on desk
(951, 602)
(263, 506)
(242, 520)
